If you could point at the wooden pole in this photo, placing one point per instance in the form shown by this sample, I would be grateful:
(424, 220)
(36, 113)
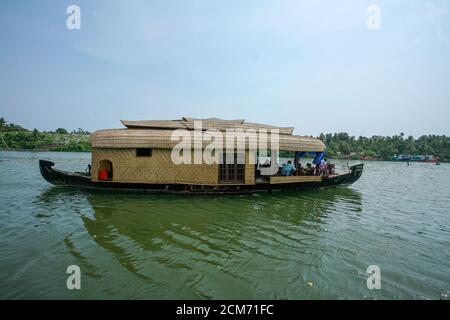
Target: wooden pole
(296, 161)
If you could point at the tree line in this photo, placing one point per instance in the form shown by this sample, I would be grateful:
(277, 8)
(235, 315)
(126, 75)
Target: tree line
(342, 145)
(14, 136)
(339, 145)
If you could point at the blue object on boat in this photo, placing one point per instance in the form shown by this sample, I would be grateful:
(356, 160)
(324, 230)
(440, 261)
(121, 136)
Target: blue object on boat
(319, 157)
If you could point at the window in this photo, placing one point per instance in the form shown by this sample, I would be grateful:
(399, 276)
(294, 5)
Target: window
(143, 152)
(231, 173)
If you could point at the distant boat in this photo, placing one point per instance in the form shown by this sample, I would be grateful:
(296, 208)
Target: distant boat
(415, 158)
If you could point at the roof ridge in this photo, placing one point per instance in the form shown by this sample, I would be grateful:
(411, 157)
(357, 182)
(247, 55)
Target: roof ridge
(209, 123)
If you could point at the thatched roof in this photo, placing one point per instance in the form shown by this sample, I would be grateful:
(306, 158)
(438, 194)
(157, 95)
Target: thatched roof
(211, 123)
(157, 134)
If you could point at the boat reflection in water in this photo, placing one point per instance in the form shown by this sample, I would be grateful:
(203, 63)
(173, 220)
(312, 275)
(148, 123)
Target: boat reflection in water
(255, 246)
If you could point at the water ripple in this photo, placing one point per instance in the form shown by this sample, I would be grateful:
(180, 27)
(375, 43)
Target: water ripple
(304, 245)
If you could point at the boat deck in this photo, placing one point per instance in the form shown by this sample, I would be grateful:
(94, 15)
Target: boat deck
(294, 179)
(263, 184)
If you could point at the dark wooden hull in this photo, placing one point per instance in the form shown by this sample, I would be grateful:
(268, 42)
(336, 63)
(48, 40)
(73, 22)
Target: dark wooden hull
(73, 179)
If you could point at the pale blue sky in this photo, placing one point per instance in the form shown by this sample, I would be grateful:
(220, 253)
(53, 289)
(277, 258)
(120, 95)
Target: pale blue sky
(309, 64)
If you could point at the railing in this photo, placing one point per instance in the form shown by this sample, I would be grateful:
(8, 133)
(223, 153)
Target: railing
(294, 179)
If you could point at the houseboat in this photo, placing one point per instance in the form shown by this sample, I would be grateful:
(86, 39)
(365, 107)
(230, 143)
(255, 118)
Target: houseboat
(146, 155)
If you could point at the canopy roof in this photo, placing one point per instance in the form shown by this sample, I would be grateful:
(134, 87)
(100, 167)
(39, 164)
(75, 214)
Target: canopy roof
(210, 123)
(157, 134)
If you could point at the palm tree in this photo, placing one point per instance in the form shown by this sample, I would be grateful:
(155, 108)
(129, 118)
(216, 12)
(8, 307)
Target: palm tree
(35, 134)
(2, 126)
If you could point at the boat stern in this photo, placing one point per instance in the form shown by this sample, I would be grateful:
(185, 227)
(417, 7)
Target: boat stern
(357, 170)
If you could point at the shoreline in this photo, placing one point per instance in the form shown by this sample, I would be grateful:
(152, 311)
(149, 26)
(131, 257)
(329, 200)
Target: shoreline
(43, 150)
(374, 160)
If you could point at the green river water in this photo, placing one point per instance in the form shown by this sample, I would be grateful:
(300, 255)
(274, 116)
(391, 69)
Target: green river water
(304, 245)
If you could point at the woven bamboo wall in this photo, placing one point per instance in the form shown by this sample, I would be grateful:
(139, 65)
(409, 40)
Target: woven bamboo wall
(158, 168)
(249, 170)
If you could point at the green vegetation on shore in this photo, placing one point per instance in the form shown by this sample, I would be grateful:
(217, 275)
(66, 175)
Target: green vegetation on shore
(15, 137)
(342, 145)
(339, 145)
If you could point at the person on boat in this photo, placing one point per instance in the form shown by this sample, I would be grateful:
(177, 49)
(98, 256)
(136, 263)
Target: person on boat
(317, 170)
(309, 169)
(300, 170)
(89, 168)
(330, 168)
(323, 167)
(288, 169)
